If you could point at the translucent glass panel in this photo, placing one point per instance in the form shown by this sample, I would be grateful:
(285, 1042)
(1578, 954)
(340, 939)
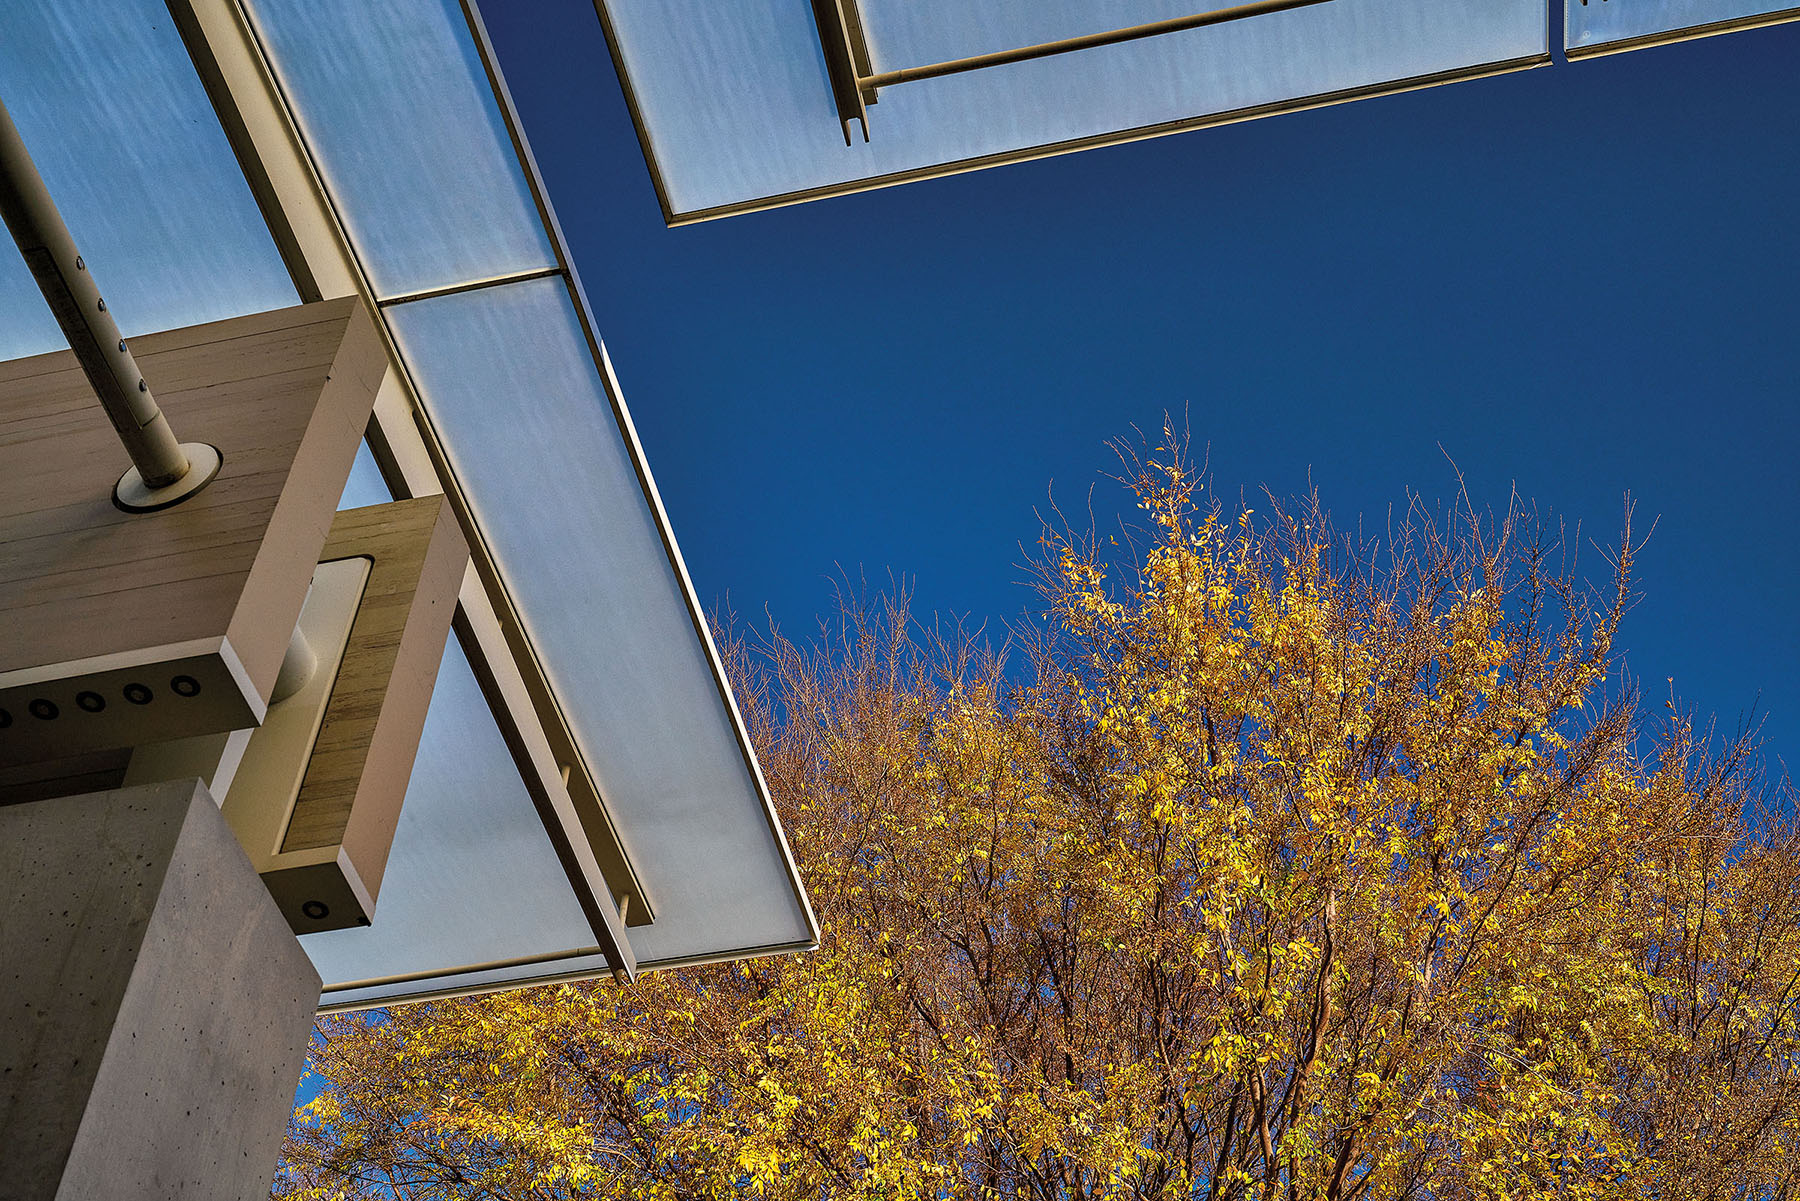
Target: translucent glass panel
(397, 109)
(1598, 26)
(735, 107)
(472, 878)
(510, 382)
(122, 132)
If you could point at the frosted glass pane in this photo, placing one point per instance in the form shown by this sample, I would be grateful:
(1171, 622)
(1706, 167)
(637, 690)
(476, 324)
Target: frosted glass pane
(395, 104)
(737, 108)
(121, 130)
(1600, 25)
(509, 381)
(472, 878)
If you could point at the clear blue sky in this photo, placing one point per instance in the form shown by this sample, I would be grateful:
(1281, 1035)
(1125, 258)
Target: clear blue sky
(1579, 281)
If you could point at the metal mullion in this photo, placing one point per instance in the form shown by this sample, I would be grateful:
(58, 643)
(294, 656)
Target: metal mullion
(1092, 41)
(574, 976)
(469, 285)
(468, 969)
(735, 955)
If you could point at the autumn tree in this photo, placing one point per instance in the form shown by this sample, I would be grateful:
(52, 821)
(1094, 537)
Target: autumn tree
(1275, 866)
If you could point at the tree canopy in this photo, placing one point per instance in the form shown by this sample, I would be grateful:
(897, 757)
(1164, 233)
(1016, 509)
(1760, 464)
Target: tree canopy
(1273, 865)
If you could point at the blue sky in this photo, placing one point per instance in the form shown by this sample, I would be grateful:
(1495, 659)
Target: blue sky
(1580, 282)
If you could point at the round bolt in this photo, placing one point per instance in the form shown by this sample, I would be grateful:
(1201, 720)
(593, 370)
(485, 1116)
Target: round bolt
(89, 702)
(138, 694)
(184, 686)
(315, 910)
(43, 710)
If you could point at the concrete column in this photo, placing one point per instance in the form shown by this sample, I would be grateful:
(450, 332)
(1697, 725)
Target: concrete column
(154, 1006)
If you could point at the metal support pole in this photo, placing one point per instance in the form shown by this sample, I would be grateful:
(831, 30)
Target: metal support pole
(1111, 37)
(164, 471)
(854, 85)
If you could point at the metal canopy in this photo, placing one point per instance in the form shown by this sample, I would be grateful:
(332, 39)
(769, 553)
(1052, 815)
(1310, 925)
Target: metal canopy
(403, 115)
(736, 109)
(583, 774)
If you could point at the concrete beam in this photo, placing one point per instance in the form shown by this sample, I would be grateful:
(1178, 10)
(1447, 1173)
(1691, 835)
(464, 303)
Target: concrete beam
(155, 1008)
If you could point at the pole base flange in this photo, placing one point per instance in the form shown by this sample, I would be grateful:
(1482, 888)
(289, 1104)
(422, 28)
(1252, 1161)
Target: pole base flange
(133, 496)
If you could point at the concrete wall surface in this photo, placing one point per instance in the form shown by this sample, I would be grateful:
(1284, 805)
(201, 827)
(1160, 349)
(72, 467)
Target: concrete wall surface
(154, 1005)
